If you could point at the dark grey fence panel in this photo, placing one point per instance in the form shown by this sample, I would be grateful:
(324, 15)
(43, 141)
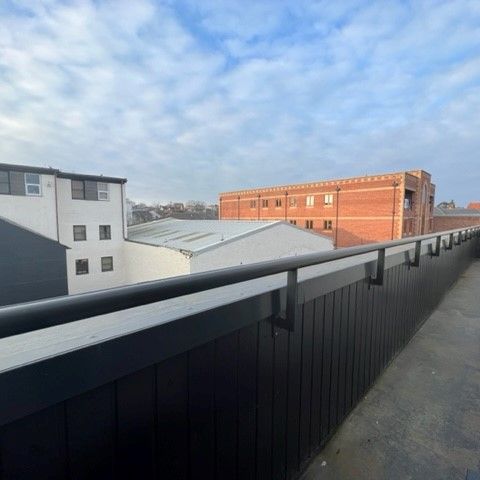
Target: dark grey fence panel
(257, 403)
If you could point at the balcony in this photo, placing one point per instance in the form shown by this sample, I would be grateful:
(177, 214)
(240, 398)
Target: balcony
(252, 372)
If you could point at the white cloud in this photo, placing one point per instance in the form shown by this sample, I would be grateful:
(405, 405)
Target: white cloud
(188, 99)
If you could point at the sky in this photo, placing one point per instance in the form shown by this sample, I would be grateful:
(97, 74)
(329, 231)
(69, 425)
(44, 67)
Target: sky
(191, 98)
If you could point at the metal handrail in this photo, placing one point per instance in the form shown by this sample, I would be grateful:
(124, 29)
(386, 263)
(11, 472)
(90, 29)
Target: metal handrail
(40, 314)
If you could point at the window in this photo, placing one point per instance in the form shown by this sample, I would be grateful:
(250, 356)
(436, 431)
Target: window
(103, 191)
(79, 233)
(105, 232)
(328, 199)
(107, 264)
(310, 200)
(292, 201)
(265, 203)
(327, 224)
(78, 190)
(4, 183)
(293, 222)
(408, 201)
(309, 224)
(278, 202)
(81, 266)
(253, 203)
(32, 184)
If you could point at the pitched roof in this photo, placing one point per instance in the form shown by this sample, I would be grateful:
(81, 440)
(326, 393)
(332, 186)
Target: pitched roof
(474, 205)
(455, 212)
(193, 236)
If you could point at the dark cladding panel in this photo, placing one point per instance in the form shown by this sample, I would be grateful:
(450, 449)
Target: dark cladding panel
(33, 267)
(17, 183)
(91, 190)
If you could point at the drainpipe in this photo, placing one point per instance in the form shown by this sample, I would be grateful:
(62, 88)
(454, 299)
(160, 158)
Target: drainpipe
(337, 188)
(395, 185)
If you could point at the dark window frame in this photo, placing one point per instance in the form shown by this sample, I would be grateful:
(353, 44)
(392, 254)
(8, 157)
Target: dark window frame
(327, 225)
(9, 187)
(309, 224)
(77, 264)
(101, 235)
(73, 182)
(75, 239)
(102, 265)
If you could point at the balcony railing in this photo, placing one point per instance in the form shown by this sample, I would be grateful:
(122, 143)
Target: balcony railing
(234, 373)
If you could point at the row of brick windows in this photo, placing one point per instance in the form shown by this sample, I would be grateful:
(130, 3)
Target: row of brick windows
(309, 225)
(293, 202)
(81, 265)
(80, 232)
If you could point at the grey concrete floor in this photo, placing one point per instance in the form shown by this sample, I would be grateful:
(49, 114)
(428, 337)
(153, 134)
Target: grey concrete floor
(421, 420)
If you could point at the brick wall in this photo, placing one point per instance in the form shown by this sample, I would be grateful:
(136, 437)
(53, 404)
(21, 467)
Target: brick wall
(443, 223)
(366, 207)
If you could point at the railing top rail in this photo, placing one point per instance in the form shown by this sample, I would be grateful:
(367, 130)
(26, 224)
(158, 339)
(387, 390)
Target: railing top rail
(31, 316)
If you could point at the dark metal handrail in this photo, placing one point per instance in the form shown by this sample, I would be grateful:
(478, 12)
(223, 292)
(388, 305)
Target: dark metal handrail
(40, 314)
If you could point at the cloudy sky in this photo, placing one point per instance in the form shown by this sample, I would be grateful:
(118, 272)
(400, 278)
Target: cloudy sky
(188, 98)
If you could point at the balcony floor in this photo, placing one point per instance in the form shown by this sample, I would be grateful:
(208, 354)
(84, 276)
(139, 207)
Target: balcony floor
(422, 417)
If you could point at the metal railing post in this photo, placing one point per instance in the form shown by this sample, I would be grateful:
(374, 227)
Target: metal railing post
(287, 320)
(450, 244)
(438, 245)
(378, 280)
(418, 253)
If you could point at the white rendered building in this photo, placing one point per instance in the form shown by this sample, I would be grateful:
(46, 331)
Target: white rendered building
(171, 247)
(83, 212)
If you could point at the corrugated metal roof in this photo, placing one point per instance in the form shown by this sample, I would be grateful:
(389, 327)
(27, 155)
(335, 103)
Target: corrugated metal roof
(456, 212)
(193, 235)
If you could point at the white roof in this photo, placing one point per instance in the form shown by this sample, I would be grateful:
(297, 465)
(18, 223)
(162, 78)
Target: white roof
(194, 235)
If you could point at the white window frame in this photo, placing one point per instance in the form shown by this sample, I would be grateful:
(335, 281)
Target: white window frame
(328, 199)
(31, 184)
(310, 200)
(103, 193)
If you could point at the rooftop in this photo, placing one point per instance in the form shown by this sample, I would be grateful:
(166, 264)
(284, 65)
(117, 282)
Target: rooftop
(61, 174)
(194, 235)
(456, 212)
(336, 181)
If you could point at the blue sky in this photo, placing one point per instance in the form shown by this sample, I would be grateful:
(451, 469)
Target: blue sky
(190, 98)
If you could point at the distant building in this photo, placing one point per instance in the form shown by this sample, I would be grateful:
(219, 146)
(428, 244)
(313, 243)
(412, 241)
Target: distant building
(474, 206)
(453, 218)
(173, 247)
(447, 205)
(352, 210)
(86, 213)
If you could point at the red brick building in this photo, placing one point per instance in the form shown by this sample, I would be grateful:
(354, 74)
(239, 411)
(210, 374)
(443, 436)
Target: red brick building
(452, 218)
(353, 211)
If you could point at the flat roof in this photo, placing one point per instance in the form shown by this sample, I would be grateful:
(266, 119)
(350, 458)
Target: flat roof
(194, 235)
(60, 174)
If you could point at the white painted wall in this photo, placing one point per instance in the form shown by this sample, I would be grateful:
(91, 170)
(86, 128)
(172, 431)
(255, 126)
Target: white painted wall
(35, 213)
(92, 214)
(281, 240)
(144, 263)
